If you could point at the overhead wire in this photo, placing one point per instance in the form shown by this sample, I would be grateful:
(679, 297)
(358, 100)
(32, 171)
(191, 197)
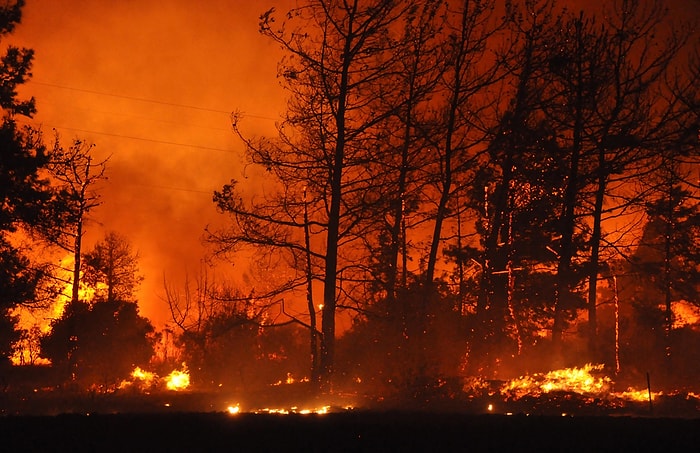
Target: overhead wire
(145, 139)
(141, 99)
(131, 137)
(147, 100)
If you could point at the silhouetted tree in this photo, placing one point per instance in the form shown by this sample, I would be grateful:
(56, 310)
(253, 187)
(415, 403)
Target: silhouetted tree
(513, 192)
(23, 190)
(631, 119)
(111, 269)
(227, 339)
(337, 51)
(75, 175)
(400, 154)
(99, 341)
(99, 344)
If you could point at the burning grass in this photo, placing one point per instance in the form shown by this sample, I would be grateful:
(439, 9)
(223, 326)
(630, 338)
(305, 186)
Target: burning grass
(579, 391)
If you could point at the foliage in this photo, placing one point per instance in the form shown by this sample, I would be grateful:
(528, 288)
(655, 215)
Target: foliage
(23, 190)
(99, 344)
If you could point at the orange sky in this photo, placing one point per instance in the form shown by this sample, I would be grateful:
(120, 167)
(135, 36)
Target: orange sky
(94, 60)
(97, 63)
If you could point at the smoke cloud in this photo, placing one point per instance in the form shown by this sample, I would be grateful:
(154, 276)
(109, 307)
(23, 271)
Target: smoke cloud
(152, 84)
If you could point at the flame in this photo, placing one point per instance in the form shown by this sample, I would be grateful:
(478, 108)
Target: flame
(178, 379)
(685, 314)
(576, 380)
(233, 410)
(294, 410)
(640, 396)
(147, 378)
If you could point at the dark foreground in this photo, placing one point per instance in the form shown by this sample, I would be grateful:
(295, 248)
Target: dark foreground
(346, 431)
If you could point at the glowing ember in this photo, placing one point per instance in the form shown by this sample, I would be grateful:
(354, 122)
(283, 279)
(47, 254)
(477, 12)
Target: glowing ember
(178, 379)
(294, 410)
(291, 380)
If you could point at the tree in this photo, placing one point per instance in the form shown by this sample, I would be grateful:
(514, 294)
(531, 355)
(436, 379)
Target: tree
(23, 190)
(111, 269)
(513, 191)
(100, 343)
(75, 175)
(227, 339)
(337, 52)
(632, 119)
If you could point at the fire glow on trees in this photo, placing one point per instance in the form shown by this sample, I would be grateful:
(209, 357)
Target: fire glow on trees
(517, 305)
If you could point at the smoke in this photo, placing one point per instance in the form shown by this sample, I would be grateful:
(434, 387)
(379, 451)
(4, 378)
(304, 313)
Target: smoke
(98, 69)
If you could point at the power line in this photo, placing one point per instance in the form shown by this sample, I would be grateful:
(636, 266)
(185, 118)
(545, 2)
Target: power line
(181, 189)
(142, 117)
(131, 137)
(140, 99)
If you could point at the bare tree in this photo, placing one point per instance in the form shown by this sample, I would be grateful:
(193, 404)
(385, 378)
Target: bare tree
(75, 176)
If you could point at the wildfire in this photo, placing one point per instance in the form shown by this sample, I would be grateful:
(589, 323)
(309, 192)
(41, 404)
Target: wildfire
(637, 395)
(178, 379)
(582, 381)
(576, 380)
(146, 378)
(293, 410)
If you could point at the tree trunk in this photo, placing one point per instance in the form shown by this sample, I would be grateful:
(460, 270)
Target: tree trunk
(77, 250)
(567, 221)
(335, 181)
(594, 265)
(313, 332)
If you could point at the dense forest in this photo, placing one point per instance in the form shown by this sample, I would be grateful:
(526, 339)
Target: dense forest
(480, 188)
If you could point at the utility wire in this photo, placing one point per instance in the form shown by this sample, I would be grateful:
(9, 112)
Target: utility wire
(131, 137)
(140, 99)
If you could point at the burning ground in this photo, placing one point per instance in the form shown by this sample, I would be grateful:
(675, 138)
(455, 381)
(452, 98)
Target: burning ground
(584, 391)
(577, 409)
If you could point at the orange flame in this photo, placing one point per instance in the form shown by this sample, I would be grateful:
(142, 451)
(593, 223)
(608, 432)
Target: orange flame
(576, 380)
(178, 380)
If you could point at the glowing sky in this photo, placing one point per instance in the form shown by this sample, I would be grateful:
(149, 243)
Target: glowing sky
(97, 62)
(152, 83)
